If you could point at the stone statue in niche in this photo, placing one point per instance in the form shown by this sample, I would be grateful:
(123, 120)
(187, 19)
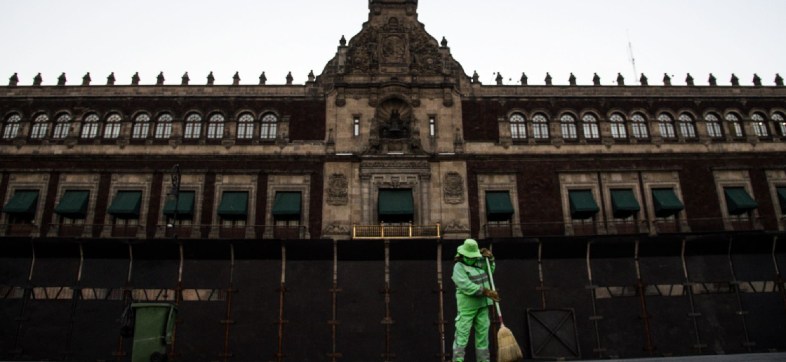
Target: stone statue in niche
(395, 127)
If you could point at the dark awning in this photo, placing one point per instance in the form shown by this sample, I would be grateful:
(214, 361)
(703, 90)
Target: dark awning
(185, 204)
(666, 202)
(73, 204)
(286, 204)
(582, 204)
(498, 205)
(624, 203)
(234, 204)
(738, 201)
(395, 203)
(126, 203)
(23, 202)
(782, 199)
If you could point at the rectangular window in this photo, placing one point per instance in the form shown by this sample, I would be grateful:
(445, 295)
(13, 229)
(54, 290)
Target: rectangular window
(714, 130)
(356, 126)
(432, 127)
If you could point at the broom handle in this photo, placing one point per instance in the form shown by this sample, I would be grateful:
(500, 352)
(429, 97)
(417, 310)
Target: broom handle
(491, 279)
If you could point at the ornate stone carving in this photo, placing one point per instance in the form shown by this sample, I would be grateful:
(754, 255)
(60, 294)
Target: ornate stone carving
(453, 188)
(338, 189)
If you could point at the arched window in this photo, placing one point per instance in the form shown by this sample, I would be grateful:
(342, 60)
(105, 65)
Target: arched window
(780, 122)
(618, 130)
(40, 127)
(193, 126)
(638, 126)
(666, 126)
(734, 125)
(540, 127)
(164, 127)
(245, 126)
(687, 127)
(90, 126)
(590, 127)
(11, 130)
(112, 128)
(62, 126)
(269, 126)
(759, 125)
(714, 129)
(568, 127)
(141, 127)
(518, 126)
(215, 127)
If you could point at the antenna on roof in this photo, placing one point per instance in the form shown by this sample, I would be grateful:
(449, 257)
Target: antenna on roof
(632, 58)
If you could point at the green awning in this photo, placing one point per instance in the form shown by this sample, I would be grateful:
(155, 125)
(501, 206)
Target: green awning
(738, 201)
(286, 204)
(782, 199)
(23, 202)
(666, 202)
(582, 204)
(73, 204)
(126, 203)
(624, 203)
(234, 204)
(395, 203)
(498, 205)
(185, 204)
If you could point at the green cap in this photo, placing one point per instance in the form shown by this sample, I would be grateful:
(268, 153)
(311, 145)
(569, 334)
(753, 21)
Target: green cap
(469, 249)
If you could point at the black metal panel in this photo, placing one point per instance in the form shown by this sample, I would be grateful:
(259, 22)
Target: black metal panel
(308, 307)
(517, 282)
(553, 334)
(254, 335)
(414, 309)
(96, 329)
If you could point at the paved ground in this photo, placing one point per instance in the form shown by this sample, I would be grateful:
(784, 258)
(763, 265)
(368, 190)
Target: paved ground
(751, 357)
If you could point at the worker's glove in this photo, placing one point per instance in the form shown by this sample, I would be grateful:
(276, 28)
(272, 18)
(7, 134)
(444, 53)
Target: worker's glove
(491, 294)
(486, 253)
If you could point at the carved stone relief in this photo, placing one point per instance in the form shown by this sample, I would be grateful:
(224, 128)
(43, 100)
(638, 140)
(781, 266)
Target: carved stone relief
(453, 188)
(338, 189)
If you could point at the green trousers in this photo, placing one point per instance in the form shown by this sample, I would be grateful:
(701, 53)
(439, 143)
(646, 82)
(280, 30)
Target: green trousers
(464, 322)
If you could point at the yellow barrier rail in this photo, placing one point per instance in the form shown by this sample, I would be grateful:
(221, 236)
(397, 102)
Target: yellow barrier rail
(396, 231)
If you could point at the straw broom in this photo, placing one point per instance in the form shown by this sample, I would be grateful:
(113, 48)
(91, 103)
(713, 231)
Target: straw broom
(508, 349)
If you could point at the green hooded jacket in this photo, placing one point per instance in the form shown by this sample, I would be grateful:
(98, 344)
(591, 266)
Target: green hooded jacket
(470, 281)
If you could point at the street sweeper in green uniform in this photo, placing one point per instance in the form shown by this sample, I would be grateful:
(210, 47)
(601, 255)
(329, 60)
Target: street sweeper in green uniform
(473, 297)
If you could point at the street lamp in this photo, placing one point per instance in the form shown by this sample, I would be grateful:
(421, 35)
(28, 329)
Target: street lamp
(174, 194)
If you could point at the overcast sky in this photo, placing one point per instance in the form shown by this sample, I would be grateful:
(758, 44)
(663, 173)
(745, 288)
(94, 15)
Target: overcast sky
(507, 36)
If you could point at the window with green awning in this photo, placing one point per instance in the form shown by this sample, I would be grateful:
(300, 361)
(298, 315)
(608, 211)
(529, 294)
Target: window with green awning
(126, 204)
(624, 203)
(24, 202)
(234, 205)
(782, 199)
(286, 205)
(582, 204)
(666, 203)
(73, 204)
(185, 205)
(396, 204)
(498, 205)
(738, 201)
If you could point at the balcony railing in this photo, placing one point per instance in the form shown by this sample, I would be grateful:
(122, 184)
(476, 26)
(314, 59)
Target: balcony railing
(396, 231)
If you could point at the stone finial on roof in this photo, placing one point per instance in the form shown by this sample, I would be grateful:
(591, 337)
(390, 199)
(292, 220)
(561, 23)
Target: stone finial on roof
(475, 77)
(596, 80)
(184, 79)
(262, 79)
(160, 79)
(689, 80)
(778, 80)
(499, 78)
(135, 79)
(548, 78)
(311, 76)
(210, 79)
(756, 80)
(289, 78)
(444, 42)
(713, 81)
(13, 81)
(61, 80)
(110, 80)
(572, 79)
(620, 79)
(37, 80)
(666, 80)
(735, 82)
(523, 78)
(343, 41)
(236, 79)
(643, 80)
(86, 79)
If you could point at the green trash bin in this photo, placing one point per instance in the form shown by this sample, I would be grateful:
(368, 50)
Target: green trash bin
(153, 327)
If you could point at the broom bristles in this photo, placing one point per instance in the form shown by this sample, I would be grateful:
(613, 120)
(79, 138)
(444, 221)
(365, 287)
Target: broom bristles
(507, 348)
